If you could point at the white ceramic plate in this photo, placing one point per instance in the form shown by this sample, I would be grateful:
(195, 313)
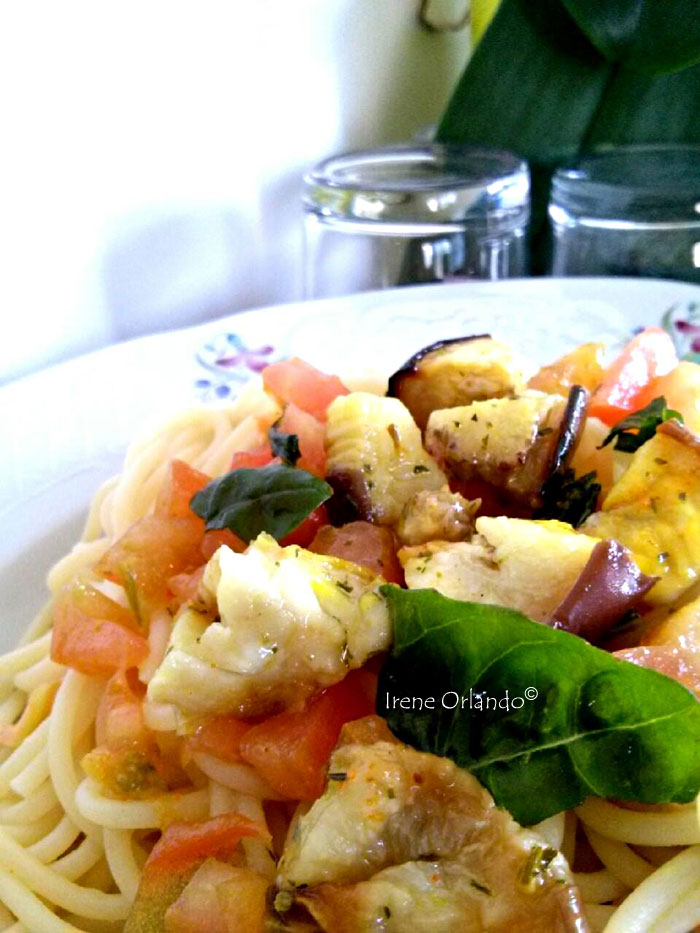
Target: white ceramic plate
(65, 429)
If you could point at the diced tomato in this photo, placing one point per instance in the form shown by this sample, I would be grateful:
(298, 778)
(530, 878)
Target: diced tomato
(219, 898)
(290, 751)
(311, 433)
(371, 546)
(250, 459)
(93, 634)
(182, 848)
(305, 533)
(214, 539)
(220, 737)
(185, 586)
(628, 384)
(182, 483)
(185, 844)
(304, 385)
(119, 720)
(152, 551)
(582, 366)
(667, 659)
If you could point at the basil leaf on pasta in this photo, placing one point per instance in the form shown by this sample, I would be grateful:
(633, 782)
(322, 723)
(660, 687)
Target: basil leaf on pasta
(275, 498)
(567, 720)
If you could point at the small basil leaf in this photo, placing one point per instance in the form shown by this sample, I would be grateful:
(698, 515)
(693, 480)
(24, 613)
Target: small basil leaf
(569, 499)
(636, 429)
(284, 446)
(570, 720)
(275, 498)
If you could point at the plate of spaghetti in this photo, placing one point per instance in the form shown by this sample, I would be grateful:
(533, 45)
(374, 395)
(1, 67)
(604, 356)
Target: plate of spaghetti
(389, 619)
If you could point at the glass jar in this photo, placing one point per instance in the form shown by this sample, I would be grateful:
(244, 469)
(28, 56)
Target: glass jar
(630, 211)
(411, 214)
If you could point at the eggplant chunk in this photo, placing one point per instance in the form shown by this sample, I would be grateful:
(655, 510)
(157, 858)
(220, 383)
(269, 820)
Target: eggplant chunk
(513, 562)
(654, 510)
(456, 372)
(437, 515)
(514, 444)
(375, 456)
(404, 840)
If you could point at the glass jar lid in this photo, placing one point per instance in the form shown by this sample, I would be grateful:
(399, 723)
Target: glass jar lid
(431, 184)
(635, 184)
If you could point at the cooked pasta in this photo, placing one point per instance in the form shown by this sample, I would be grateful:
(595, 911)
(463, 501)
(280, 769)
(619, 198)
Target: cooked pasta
(72, 855)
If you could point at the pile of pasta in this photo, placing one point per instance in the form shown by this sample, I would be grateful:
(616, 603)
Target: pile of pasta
(71, 857)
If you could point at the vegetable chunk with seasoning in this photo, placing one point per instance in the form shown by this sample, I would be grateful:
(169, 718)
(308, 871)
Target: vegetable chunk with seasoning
(289, 624)
(406, 840)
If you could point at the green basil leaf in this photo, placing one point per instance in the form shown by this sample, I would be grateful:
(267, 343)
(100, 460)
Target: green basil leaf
(275, 498)
(652, 36)
(569, 499)
(636, 429)
(570, 720)
(284, 446)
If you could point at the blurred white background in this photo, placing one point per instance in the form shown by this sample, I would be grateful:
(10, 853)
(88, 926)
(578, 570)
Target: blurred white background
(152, 151)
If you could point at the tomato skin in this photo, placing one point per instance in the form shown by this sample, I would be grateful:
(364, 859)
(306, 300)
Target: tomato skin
(370, 546)
(298, 382)
(311, 434)
(184, 844)
(306, 532)
(220, 737)
(250, 459)
(93, 634)
(175, 858)
(582, 366)
(151, 551)
(119, 720)
(628, 384)
(182, 483)
(290, 750)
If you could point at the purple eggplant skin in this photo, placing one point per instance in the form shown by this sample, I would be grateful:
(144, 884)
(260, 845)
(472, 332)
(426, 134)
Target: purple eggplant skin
(410, 367)
(572, 423)
(436, 377)
(610, 585)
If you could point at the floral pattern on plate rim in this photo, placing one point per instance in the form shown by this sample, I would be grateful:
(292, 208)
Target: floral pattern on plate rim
(230, 363)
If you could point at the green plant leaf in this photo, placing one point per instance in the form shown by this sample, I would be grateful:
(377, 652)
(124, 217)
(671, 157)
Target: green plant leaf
(638, 109)
(651, 36)
(597, 725)
(284, 446)
(275, 498)
(569, 499)
(636, 429)
(533, 85)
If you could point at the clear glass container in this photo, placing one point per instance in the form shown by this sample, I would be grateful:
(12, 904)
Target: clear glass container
(412, 214)
(630, 211)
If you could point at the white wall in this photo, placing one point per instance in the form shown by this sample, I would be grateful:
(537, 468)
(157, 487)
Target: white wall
(151, 151)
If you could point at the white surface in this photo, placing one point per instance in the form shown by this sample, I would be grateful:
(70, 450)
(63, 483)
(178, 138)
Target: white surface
(65, 429)
(153, 149)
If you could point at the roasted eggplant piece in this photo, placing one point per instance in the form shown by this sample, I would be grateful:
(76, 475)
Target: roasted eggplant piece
(375, 456)
(437, 515)
(513, 444)
(610, 585)
(654, 511)
(403, 840)
(512, 562)
(455, 372)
